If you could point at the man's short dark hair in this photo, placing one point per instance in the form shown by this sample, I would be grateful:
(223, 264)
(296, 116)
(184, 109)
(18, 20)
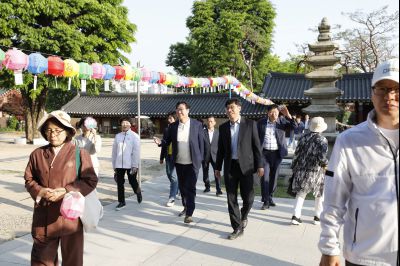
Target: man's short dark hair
(125, 118)
(273, 106)
(184, 103)
(233, 101)
(211, 116)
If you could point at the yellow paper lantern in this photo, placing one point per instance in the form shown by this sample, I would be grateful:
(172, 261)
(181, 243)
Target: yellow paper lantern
(71, 68)
(129, 73)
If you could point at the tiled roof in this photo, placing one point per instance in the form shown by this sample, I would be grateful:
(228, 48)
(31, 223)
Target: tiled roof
(291, 87)
(156, 105)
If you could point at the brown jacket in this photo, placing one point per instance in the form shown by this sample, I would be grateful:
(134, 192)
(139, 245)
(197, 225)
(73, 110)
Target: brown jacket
(39, 173)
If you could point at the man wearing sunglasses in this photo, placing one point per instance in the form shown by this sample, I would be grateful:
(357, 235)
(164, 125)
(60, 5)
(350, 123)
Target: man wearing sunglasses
(362, 182)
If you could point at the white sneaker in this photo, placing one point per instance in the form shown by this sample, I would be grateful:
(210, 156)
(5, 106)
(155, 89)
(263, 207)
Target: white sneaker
(170, 202)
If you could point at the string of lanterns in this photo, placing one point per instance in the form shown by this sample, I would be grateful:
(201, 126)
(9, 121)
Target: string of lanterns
(36, 63)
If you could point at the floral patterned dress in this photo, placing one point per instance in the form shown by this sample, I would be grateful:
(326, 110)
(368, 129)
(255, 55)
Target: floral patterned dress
(308, 164)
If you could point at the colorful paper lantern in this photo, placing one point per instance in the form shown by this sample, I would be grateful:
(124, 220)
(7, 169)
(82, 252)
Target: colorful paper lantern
(85, 71)
(154, 77)
(2, 56)
(137, 74)
(128, 72)
(119, 73)
(162, 78)
(110, 72)
(146, 76)
(37, 63)
(71, 68)
(168, 79)
(55, 66)
(98, 71)
(15, 59)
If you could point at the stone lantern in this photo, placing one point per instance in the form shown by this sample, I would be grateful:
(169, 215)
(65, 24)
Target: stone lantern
(323, 92)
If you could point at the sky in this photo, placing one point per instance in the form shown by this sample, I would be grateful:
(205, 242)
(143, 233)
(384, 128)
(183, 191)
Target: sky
(161, 23)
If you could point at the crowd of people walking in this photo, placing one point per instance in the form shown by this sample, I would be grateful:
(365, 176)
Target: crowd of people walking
(357, 187)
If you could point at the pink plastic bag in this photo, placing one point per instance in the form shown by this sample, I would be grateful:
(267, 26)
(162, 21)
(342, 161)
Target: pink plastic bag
(73, 205)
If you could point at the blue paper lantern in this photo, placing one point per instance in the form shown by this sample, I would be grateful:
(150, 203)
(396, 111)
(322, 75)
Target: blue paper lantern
(110, 72)
(37, 63)
(155, 77)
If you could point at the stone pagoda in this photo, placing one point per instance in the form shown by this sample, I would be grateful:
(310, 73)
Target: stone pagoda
(323, 92)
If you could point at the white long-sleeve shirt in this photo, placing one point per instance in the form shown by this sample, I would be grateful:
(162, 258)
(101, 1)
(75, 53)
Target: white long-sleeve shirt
(125, 151)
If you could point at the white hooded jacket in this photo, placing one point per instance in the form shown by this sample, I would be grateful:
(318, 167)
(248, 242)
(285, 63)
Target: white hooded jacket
(361, 193)
(125, 151)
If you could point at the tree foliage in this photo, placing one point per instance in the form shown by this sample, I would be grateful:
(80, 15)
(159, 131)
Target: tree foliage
(375, 40)
(226, 37)
(84, 30)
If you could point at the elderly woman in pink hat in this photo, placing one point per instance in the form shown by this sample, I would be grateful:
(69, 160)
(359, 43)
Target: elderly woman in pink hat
(50, 174)
(308, 165)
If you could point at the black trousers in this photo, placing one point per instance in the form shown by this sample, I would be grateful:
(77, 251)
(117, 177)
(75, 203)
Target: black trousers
(187, 179)
(233, 180)
(206, 179)
(121, 181)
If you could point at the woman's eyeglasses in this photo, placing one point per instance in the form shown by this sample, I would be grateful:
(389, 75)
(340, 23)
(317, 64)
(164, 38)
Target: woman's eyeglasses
(54, 131)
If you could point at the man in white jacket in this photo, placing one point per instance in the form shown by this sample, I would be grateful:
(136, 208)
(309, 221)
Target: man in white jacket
(362, 182)
(125, 159)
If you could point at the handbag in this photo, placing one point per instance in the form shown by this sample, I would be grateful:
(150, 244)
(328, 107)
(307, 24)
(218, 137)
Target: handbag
(93, 210)
(73, 205)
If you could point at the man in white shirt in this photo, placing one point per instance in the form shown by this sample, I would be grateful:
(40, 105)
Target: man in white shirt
(187, 138)
(125, 159)
(361, 190)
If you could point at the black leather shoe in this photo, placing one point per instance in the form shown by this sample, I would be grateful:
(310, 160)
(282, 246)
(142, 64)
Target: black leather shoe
(207, 189)
(182, 212)
(244, 223)
(139, 197)
(235, 234)
(265, 206)
(219, 193)
(272, 203)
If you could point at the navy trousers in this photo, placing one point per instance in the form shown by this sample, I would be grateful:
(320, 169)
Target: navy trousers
(187, 179)
(272, 161)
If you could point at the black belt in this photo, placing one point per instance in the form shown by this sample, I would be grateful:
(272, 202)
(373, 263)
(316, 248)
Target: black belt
(270, 150)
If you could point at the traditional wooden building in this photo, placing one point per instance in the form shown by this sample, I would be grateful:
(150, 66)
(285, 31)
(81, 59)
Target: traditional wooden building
(107, 108)
(282, 88)
(289, 89)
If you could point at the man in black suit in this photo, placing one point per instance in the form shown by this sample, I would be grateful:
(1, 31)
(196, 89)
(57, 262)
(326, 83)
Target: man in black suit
(187, 138)
(211, 147)
(240, 150)
(271, 132)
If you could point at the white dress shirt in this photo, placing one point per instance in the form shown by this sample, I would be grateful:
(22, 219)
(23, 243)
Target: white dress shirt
(183, 156)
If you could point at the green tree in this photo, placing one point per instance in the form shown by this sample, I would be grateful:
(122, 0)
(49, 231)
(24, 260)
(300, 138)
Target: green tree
(85, 30)
(227, 37)
(373, 41)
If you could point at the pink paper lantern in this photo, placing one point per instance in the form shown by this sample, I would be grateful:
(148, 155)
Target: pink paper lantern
(146, 75)
(15, 59)
(98, 71)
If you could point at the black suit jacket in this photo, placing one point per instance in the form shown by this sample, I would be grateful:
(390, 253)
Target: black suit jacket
(210, 148)
(249, 148)
(196, 141)
(281, 125)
